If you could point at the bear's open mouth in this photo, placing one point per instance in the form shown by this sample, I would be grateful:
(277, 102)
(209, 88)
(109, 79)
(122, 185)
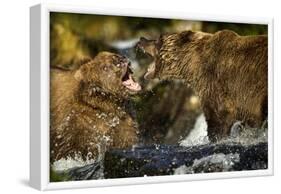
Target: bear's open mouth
(129, 82)
(150, 73)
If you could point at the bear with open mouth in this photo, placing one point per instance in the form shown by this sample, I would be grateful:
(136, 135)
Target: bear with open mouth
(227, 71)
(90, 108)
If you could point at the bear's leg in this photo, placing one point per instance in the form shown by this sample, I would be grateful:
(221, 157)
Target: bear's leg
(214, 125)
(218, 130)
(219, 123)
(214, 132)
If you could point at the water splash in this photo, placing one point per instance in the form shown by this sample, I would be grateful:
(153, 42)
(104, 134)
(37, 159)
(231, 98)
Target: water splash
(198, 134)
(70, 162)
(213, 163)
(247, 136)
(67, 163)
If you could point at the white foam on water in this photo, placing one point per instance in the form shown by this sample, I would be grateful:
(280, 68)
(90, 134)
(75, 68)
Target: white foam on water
(248, 136)
(69, 162)
(226, 160)
(181, 170)
(221, 162)
(198, 135)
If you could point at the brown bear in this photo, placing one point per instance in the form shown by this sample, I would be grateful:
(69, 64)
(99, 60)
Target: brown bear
(227, 71)
(89, 108)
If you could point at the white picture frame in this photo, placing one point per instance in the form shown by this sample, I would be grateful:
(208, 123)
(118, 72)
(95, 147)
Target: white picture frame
(39, 101)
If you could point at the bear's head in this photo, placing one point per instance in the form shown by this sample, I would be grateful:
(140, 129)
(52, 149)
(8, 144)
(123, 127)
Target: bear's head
(167, 52)
(150, 48)
(108, 73)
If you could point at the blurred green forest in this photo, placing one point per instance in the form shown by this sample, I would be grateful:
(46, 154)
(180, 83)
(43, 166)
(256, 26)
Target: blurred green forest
(76, 36)
(241, 29)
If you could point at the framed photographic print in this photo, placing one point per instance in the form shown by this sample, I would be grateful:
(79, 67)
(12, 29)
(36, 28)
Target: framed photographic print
(128, 97)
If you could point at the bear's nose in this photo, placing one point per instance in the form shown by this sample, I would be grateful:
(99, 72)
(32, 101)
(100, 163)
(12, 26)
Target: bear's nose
(124, 62)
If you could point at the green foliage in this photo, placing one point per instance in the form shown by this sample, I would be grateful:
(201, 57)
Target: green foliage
(241, 29)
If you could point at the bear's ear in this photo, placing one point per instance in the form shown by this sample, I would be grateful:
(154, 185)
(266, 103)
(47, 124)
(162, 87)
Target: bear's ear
(78, 75)
(186, 36)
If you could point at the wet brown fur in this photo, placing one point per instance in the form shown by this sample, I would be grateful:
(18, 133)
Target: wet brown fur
(227, 71)
(89, 110)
